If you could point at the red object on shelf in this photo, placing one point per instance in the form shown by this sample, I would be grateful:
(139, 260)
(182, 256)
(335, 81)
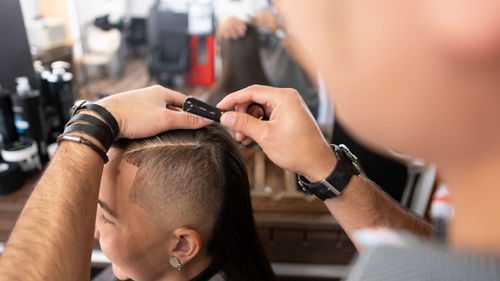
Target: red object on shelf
(201, 72)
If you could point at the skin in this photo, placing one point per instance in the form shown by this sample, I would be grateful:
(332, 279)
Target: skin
(138, 247)
(267, 20)
(231, 28)
(52, 239)
(299, 146)
(416, 77)
(393, 67)
(443, 110)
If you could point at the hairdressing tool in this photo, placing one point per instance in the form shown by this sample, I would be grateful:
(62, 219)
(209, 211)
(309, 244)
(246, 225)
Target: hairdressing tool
(197, 107)
(205, 110)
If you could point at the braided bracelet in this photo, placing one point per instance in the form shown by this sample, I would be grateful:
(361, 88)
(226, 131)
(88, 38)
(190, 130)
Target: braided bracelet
(82, 140)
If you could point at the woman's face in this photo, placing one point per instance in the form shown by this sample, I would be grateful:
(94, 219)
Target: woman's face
(136, 249)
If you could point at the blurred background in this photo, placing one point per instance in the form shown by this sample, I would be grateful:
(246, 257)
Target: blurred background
(118, 45)
(56, 53)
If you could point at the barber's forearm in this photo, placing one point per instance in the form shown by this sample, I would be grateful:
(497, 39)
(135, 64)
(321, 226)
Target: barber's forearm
(363, 204)
(52, 239)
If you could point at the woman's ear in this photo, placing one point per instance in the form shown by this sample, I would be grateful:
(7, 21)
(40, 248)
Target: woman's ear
(188, 244)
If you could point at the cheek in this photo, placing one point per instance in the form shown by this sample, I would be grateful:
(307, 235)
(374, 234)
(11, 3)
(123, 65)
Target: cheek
(111, 243)
(133, 255)
(115, 245)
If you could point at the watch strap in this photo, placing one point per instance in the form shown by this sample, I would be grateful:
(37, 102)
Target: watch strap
(339, 178)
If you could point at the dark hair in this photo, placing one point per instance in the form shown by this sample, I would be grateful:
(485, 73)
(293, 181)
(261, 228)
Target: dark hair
(206, 175)
(241, 66)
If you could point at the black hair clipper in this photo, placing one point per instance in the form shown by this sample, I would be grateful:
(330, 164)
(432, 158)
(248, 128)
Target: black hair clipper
(205, 110)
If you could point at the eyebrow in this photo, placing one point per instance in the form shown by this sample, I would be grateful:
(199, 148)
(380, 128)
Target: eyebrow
(106, 207)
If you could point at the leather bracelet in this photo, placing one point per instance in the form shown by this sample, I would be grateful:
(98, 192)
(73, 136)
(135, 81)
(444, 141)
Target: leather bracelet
(92, 131)
(93, 121)
(82, 140)
(105, 114)
(77, 108)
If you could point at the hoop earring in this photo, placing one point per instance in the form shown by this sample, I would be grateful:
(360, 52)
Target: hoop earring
(175, 262)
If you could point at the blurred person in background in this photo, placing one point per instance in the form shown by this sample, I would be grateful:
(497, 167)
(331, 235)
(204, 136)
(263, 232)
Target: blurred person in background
(241, 65)
(282, 59)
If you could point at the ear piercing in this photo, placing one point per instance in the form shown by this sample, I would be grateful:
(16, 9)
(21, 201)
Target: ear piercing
(175, 262)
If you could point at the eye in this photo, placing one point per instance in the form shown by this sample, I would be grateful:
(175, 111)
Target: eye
(105, 220)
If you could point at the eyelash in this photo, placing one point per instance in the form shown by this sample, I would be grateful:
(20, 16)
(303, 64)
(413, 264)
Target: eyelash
(104, 220)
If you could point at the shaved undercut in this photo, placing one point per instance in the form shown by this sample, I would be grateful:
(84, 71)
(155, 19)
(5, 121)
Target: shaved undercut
(197, 179)
(179, 177)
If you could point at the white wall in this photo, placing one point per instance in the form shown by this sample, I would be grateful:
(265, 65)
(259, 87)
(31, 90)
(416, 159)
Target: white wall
(30, 10)
(88, 10)
(139, 8)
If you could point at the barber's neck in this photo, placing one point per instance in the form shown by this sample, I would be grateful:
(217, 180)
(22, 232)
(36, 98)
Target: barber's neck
(475, 194)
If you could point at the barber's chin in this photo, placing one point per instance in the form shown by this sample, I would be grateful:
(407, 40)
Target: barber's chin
(118, 273)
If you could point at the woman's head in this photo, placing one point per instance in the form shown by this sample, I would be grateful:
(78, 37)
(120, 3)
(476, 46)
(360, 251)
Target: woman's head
(241, 65)
(183, 193)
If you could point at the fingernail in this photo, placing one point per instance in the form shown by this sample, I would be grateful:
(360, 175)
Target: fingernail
(227, 119)
(206, 121)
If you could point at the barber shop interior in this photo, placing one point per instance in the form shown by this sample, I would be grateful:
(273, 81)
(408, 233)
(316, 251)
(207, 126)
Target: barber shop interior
(249, 140)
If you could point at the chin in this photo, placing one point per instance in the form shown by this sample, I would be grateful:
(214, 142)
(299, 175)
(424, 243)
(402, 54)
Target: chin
(118, 273)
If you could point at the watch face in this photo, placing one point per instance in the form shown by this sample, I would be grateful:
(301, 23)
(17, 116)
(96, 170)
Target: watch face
(348, 153)
(356, 168)
(280, 34)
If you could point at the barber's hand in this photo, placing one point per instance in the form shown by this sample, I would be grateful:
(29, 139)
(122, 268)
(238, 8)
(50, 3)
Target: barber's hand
(144, 113)
(266, 19)
(231, 28)
(291, 138)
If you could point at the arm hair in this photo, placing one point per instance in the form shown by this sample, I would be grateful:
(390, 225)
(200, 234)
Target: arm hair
(52, 239)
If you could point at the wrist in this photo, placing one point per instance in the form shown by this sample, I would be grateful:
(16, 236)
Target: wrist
(324, 166)
(274, 27)
(88, 137)
(84, 139)
(109, 105)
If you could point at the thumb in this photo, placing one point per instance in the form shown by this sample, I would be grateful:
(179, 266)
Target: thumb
(183, 120)
(243, 123)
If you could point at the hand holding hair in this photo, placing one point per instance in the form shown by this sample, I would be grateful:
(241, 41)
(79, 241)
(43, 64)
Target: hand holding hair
(290, 138)
(149, 111)
(231, 28)
(266, 19)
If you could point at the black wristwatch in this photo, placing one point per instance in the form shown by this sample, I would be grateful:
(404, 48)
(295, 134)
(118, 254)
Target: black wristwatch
(333, 185)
